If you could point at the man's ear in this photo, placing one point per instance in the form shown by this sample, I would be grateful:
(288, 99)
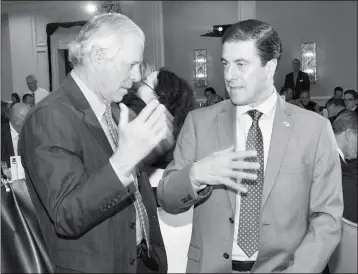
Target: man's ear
(271, 68)
(97, 57)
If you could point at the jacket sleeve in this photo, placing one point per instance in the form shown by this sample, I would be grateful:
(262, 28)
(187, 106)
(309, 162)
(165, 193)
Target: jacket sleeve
(75, 199)
(306, 82)
(175, 191)
(326, 209)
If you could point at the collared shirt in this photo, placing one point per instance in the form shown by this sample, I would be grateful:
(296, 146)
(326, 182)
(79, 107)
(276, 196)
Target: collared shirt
(14, 138)
(340, 152)
(243, 124)
(99, 108)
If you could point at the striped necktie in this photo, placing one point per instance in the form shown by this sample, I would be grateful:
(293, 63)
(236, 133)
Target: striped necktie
(138, 202)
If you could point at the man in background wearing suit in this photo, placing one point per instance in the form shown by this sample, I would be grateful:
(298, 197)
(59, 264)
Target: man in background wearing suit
(96, 209)
(10, 131)
(351, 100)
(297, 80)
(272, 204)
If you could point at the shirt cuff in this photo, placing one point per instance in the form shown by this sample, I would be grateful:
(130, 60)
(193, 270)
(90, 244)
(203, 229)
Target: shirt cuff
(126, 180)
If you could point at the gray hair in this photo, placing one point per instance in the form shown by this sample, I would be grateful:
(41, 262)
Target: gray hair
(99, 32)
(347, 120)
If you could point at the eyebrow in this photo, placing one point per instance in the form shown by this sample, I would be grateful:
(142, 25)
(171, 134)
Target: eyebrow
(235, 61)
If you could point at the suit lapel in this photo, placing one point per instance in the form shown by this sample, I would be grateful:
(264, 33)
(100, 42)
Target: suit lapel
(227, 138)
(281, 132)
(80, 102)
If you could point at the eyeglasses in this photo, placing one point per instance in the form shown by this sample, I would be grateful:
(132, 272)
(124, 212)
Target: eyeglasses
(349, 99)
(142, 81)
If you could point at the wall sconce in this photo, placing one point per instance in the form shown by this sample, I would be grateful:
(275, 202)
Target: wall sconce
(200, 69)
(308, 51)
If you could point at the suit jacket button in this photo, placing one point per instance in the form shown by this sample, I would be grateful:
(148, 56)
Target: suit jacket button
(226, 256)
(132, 225)
(231, 220)
(132, 261)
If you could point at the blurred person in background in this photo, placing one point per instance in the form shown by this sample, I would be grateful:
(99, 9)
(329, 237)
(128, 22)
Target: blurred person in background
(338, 92)
(213, 99)
(10, 131)
(15, 98)
(178, 97)
(5, 110)
(345, 130)
(335, 106)
(209, 91)
(305, 100)
(297, 80)
(36, 91)
(28, 99)
(351, 99)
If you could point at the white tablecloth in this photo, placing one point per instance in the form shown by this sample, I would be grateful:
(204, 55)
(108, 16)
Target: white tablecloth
(176, 231)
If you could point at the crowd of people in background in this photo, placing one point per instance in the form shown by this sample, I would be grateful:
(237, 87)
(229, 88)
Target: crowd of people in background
(77, 150)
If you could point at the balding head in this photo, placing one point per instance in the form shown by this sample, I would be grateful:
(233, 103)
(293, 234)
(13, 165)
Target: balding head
(18, 114)
(31, 82)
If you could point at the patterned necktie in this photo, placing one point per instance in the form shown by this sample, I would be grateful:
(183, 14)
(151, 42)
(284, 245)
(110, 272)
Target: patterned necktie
(138, 202)
(249, 222)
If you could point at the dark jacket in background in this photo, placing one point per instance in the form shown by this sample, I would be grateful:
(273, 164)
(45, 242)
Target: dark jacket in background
(302, 83)
(349, 185)
(7, 149)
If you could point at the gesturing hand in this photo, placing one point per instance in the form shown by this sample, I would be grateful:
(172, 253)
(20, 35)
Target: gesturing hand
(137, 138)
(225, 167)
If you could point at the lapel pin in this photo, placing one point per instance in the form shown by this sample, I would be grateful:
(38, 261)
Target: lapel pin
(286, 124)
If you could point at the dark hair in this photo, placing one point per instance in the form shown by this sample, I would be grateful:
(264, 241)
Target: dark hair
(17, 97)
(338, 89)
(303, 91)
(296, 60)
(213, 99)
(25, 96)
(212, 90)
(336, 102)
(345, 121)
(267, 41)
(176, 95)
(352, 92)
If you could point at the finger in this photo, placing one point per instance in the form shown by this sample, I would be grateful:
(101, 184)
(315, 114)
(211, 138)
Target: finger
(237, 155)
(147, 111)
(243, 165)
(124, 115)
(232, 184)
(241, 175)
(156, 116)
(159, 125)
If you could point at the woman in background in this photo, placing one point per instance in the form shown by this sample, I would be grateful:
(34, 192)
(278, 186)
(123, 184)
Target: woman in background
(178, 97)
(345, 130)
(15, 98)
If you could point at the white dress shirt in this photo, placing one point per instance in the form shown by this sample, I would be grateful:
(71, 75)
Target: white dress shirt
(243, 124)
(14, 138)
(99, 108)
(40, 94)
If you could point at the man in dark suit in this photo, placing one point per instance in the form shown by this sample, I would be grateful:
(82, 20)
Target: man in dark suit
(10, 131)
(263, 175)
(81, 154)
(297, 80)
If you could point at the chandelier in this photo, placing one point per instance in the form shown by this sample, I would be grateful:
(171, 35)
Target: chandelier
(108, 6)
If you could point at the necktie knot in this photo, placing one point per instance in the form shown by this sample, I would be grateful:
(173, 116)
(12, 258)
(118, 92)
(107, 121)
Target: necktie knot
(255, 115)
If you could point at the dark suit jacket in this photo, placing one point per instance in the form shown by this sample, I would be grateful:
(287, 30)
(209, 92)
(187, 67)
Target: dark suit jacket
(302, 83)
(86, 214)
(7, 149)
(349, 185)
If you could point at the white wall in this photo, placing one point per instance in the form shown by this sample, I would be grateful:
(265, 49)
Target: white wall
(183, 23)
(6, 70)
(331, 24)
(27, 27)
